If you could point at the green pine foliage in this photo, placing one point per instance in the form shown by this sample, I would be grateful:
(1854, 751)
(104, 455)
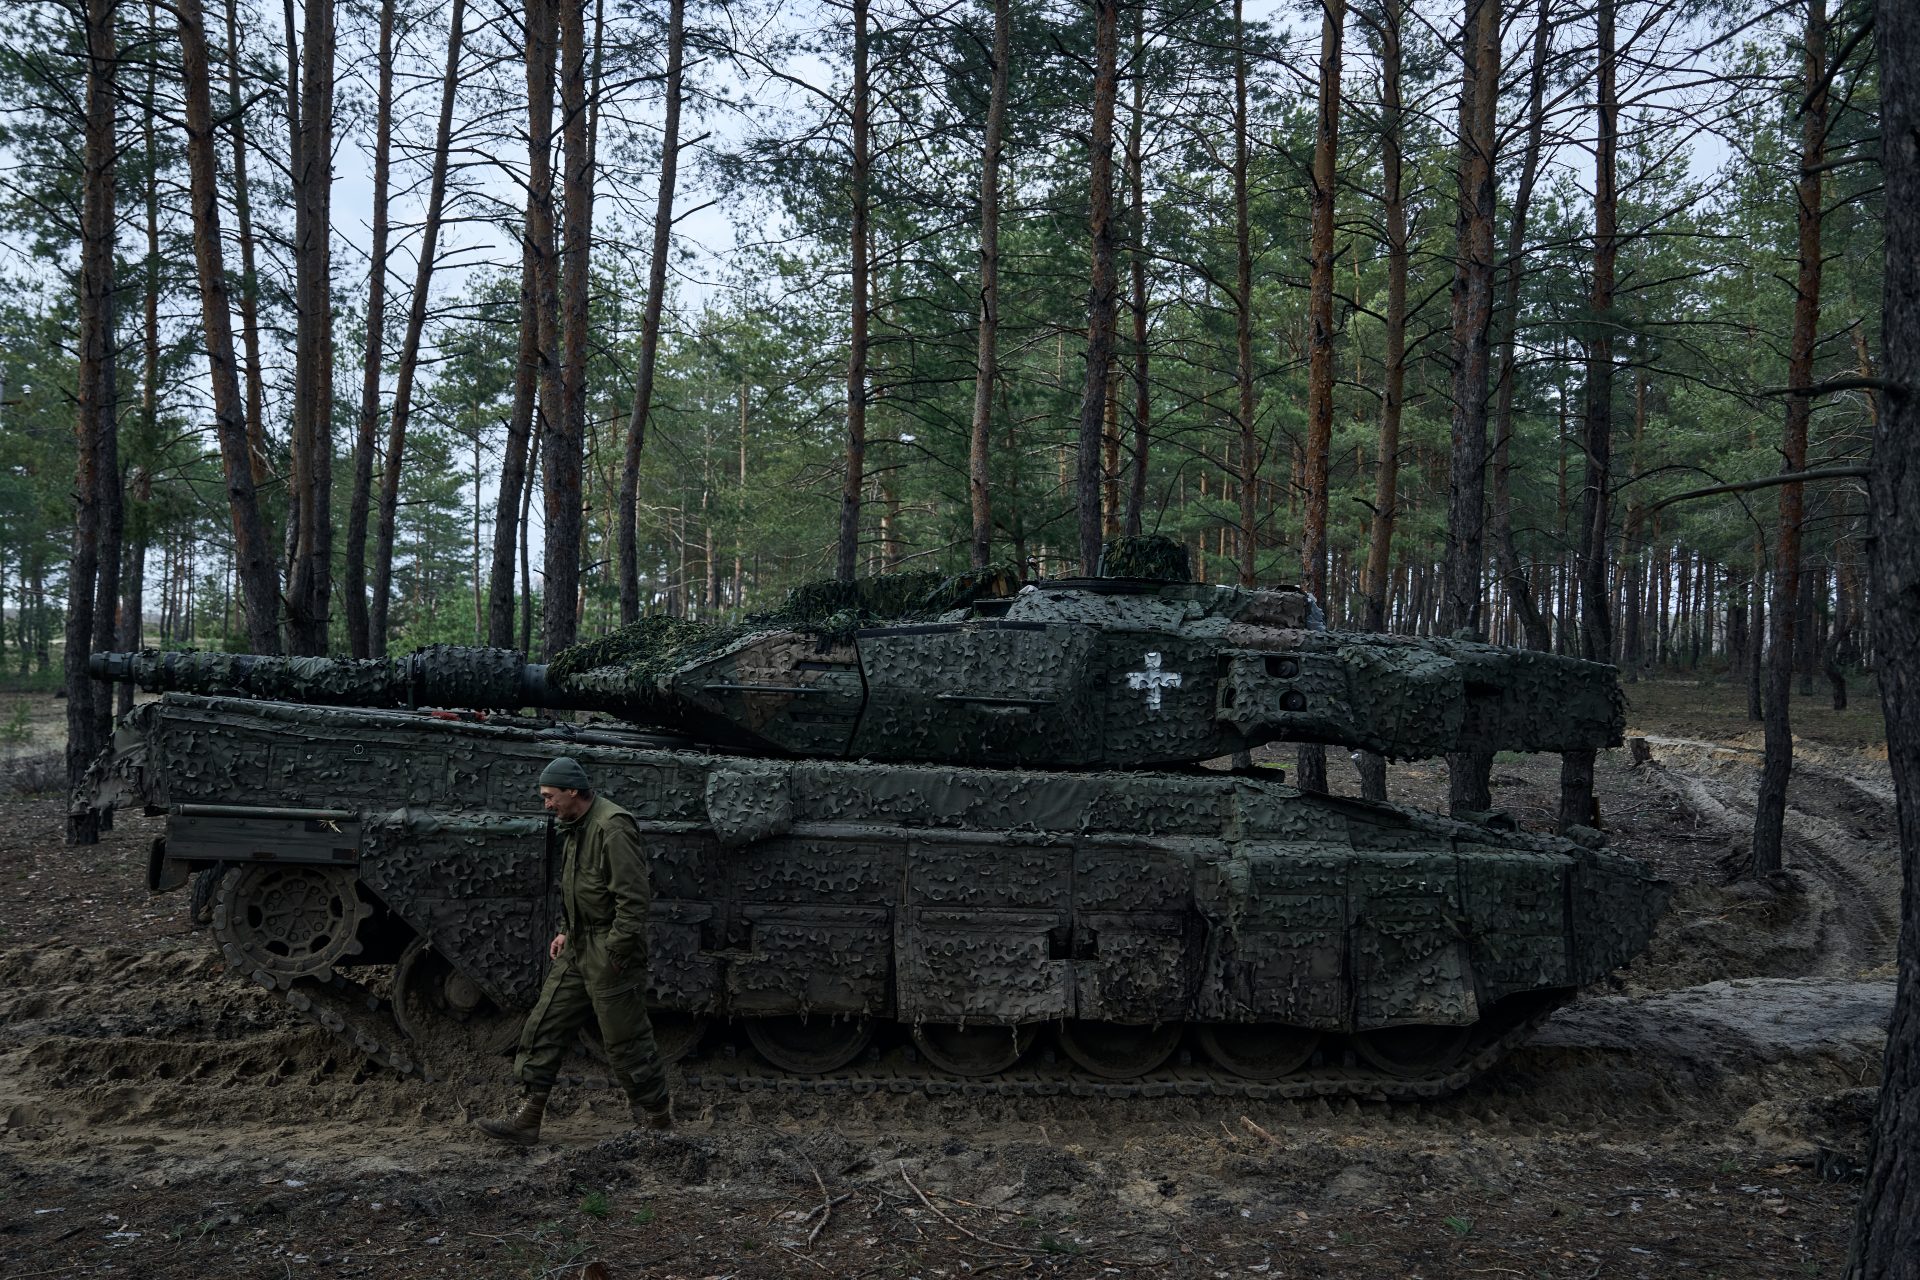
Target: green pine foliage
(740, 476)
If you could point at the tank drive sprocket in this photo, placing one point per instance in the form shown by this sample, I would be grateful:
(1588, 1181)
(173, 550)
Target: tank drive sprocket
(288, 920)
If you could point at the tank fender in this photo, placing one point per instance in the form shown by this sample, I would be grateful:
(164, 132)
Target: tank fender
(165, 874)
(207, 833)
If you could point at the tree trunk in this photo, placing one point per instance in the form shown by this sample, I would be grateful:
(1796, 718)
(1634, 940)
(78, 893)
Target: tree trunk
(309, 583)
(140, 481)
(1313, 556)
(1394, 360)
(353, 567)
(94, 424)
(1807, 640)
(1101, 289)
(567, 429)
(507, 515)
(1311, 758)
(1248, 457)
(627, 510)
(1633, 555)
(1472, 323)
(979, 453)
(1513, 576)
(1136, 187)
(1839, 643)
(848, 552)
(1472, 315)
(1770, 807)
(542, 19)
(399, 415)
(526, 540)
(740, 507)
(1596, 619)
(1886, 1241)
(249, 277)
(1757, 632)
(253, 554)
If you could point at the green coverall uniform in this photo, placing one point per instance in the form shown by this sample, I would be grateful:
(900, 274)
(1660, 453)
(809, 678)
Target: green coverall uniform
(602, 970)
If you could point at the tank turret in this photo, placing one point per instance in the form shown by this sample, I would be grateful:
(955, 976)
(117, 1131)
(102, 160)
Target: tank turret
(1100, 672)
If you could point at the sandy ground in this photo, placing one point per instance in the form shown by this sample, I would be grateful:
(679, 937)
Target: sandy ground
(1704, 1114)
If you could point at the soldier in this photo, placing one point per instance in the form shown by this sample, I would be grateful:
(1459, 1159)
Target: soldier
(599, 960)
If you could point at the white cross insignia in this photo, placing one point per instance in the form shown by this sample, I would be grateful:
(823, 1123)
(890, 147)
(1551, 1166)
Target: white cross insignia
(1153, 680)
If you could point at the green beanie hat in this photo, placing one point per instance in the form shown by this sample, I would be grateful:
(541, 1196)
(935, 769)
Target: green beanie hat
(565, 772)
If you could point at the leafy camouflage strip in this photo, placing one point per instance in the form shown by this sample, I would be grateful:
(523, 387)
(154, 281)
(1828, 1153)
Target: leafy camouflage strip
(827, 609)
(363, 1020)
(1152, 556)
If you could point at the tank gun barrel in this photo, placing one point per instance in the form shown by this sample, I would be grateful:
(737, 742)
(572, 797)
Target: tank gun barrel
(437, 676)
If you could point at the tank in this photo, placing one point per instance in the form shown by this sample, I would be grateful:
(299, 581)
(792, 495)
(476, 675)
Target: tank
(904, 830)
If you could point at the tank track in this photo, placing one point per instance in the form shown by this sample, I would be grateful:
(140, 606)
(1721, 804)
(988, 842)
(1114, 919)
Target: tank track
(1058, 1080)
(350, 1010)
(358, 1016)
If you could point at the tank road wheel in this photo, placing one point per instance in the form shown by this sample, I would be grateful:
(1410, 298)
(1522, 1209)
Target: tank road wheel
(442, 1010)
(291, 920)
(1117, 1051)
(810, 1046)
(1258, 1050)
(1410, 1052)
(978, 1050)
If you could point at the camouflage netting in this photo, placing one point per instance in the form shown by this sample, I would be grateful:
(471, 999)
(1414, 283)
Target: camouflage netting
(827, 608)
(1152, 556)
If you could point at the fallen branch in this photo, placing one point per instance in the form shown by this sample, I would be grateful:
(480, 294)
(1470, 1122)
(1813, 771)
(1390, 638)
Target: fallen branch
(972, 1235)
(826, 1205)
(839, 1199)
(803, 1257)
(984, 1208)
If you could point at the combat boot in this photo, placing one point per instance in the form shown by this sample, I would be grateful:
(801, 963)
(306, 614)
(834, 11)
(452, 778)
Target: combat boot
(658, 1118)
(522, 1128)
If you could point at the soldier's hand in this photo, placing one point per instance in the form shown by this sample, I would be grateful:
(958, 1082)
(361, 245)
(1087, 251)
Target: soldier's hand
(555, 947)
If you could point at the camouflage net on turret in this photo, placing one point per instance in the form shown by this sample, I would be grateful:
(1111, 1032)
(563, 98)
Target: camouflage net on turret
(828, 609)
(1153, 556)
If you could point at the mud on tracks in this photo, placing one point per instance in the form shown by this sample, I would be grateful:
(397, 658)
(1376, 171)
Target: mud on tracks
(119, 1045)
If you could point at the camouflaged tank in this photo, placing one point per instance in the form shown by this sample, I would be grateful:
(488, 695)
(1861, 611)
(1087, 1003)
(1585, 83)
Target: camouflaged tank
(905, 829)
